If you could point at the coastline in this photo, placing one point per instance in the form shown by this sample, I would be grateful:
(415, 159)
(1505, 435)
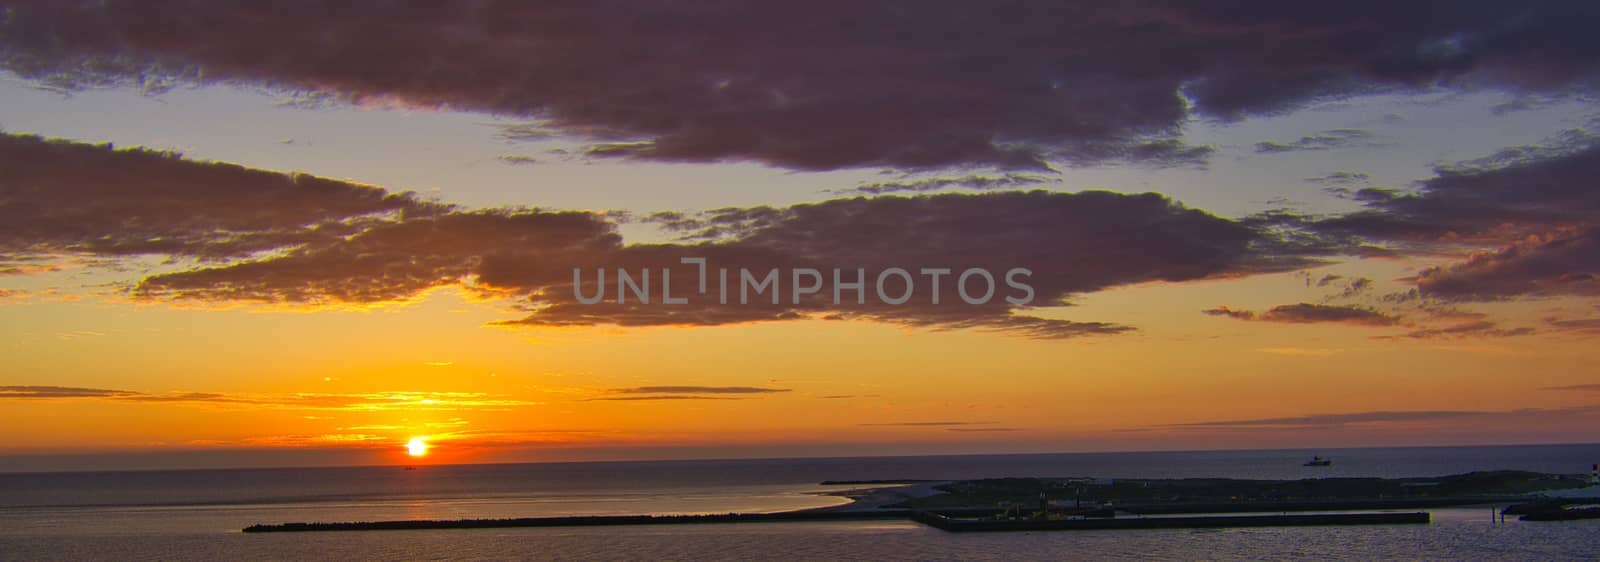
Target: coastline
(1025, 504)
(878, 497)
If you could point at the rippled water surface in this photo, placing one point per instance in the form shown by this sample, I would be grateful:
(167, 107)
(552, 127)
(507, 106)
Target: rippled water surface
(196, 515)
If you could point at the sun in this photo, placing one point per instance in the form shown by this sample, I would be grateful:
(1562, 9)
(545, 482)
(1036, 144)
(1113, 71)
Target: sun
(417, 447)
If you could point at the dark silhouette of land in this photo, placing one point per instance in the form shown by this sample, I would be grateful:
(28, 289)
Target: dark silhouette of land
(1084, 503)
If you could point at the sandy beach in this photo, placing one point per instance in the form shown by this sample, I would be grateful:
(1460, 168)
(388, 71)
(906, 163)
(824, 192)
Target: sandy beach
(877, 497)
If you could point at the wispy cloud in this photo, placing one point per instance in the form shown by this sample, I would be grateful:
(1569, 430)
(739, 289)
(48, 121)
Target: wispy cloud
(1575, 387)
(1584, 325)
(1308, 313)
(1477, 329)
(24, 392)
(1326, 140)
(1341, 179)
(367, 402)
(1377, 418)
(971, 182)
(1302, 351)
(698, 390)
(661, 397)
(685, 392)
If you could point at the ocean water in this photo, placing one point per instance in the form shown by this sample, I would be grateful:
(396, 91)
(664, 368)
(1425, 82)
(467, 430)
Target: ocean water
(196, 515)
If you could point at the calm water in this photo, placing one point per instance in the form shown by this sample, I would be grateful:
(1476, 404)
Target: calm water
(170, 515)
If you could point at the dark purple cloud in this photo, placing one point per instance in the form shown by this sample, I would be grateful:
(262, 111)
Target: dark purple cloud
(60, 197)
(340, 243)
(1561, 263)
(828, 84)
(1308, 313)
(1536, 206)
(399, 259)
(275, 238)
(1072, 243)
(1505, 196)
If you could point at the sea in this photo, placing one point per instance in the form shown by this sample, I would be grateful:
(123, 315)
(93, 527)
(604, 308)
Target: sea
(198, 514)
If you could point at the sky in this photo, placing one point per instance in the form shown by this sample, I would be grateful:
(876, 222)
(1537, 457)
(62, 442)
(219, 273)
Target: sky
(288, 234)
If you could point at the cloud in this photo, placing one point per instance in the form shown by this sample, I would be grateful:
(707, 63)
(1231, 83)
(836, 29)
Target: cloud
(1501, 198)
(517, 160)
(972, 182)
(1378, 418)
(659, 397)
(1528, 216)
(925, 424)
(1355, 288)
(1163, 153)
(64, 198)
(25, 392)
(1559, 263)
(1586, 325)
(1301, 351)
(1308, 313)
(1576, 387)
(367, 402)
(1071, 242)
(1230, 313)
(954, 84)
(1481, 328)
(1339, 179)
(1326, 140)
(399, 259)
(1527, 103)
(263, 237)
(698, 390)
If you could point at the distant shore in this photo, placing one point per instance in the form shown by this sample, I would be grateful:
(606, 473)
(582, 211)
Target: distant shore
(1039, 503)
(886, 493)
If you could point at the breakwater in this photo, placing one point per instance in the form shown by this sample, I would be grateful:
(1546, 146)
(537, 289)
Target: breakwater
(949, 520)
(581, 521)
(953, 524)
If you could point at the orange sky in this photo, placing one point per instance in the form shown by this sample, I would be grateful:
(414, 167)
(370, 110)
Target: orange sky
(212, 259)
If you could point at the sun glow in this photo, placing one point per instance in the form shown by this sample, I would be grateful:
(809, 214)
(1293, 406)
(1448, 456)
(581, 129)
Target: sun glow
(417, 447)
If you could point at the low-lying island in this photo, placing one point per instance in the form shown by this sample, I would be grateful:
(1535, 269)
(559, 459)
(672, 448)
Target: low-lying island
(1064, 504)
